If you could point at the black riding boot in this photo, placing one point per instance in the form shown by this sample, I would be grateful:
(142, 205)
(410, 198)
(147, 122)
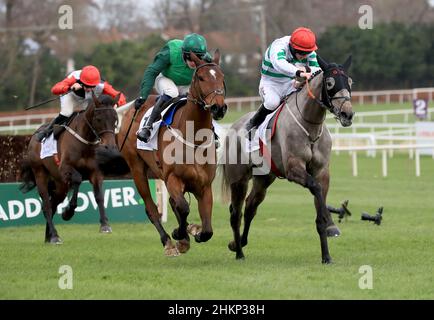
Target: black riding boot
(60, 119)
(145, 133)
(256, 120)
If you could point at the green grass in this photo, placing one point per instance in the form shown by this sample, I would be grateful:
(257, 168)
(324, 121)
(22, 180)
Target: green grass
(282, 258)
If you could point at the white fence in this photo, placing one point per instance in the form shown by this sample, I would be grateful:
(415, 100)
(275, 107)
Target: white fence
(413, 148)
(360, 97)
(16, 124)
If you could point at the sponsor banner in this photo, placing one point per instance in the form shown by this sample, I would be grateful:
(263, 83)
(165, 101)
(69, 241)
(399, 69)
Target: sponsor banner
(425, 135)
(122, 202)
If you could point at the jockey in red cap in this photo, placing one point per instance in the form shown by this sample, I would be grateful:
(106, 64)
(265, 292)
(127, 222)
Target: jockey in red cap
(80, 84)
(286, 59)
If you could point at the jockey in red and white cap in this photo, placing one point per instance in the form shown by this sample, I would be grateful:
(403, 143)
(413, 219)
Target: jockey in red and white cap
(286, 59)
(80, 84)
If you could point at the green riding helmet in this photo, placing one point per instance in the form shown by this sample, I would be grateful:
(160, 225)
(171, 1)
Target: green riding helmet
(196, 43)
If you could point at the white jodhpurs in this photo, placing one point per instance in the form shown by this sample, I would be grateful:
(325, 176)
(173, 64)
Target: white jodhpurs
(272, 92)
(166, 86)
(70, 103)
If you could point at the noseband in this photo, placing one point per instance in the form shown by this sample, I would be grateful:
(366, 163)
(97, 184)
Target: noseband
(202, 97)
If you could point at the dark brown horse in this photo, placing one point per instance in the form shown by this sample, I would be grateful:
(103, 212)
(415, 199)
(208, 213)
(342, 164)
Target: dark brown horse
(184, 174)
(87, 133)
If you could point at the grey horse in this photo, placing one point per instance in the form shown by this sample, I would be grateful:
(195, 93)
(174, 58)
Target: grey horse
(300, 151)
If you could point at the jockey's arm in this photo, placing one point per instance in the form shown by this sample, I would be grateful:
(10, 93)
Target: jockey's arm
(278, 59)
(109, 90)
(63, 86)
(313, 62)
(160, 63)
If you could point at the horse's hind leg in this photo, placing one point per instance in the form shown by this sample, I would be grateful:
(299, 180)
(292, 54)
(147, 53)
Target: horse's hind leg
(255, 198)
(96, 179)
(41, 178)
(238, 194)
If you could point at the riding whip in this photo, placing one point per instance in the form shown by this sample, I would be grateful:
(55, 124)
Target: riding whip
(46, 101)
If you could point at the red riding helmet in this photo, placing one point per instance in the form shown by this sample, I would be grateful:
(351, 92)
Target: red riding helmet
(90, 76)
(303, 39)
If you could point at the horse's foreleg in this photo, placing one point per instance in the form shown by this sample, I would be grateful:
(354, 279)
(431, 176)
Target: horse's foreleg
(51, 235)
(238, 194)
(73, 179)
(205, 201)
(96, 179)
(297, 173)
(323, 179)
(175, 188)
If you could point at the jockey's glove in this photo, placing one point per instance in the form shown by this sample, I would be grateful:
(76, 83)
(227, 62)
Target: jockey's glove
(138, 103)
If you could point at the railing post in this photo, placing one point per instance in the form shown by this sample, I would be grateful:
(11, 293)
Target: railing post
(354, 161)
(384, 162)
(417, 163)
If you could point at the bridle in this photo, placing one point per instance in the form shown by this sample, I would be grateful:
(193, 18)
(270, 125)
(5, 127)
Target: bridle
(201, 100)
(326, 101)
(92, 129)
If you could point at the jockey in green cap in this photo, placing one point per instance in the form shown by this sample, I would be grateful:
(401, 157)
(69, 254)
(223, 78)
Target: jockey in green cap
(170, 73)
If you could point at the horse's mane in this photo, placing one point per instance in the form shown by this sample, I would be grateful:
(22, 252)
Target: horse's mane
(315, 74)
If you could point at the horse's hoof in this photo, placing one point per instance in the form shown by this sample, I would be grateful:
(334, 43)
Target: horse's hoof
(194, 229)
(55, 240)
(232, 246)
(183, 245)
(170, 250)
(105, 229)
(240, 256)
(333, 231)
(327, 261)
(67, 216)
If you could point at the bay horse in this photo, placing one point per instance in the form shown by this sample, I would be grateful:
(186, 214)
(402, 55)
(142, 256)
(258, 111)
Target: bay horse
(91, 131)
(300, 151)
(205, 100)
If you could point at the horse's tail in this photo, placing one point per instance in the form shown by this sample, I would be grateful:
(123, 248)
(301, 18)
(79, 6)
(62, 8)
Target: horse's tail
(111, 163)
(27, 177)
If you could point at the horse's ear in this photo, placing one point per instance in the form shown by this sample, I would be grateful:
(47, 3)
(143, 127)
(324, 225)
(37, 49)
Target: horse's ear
(216, 59)
(322, 63)
(195, 59)
(347, 63)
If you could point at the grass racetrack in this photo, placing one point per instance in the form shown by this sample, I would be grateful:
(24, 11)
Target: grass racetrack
(283, 258)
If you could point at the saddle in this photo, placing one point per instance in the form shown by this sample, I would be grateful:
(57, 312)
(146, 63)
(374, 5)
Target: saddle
(173, 105)
(58, 129)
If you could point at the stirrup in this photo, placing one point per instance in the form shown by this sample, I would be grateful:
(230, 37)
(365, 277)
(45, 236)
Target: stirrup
(141, 135)
(41, 135)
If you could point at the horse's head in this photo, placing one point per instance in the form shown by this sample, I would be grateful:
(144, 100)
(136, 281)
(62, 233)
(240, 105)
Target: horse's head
(336, 93)
(208, 86)
(103, 119)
